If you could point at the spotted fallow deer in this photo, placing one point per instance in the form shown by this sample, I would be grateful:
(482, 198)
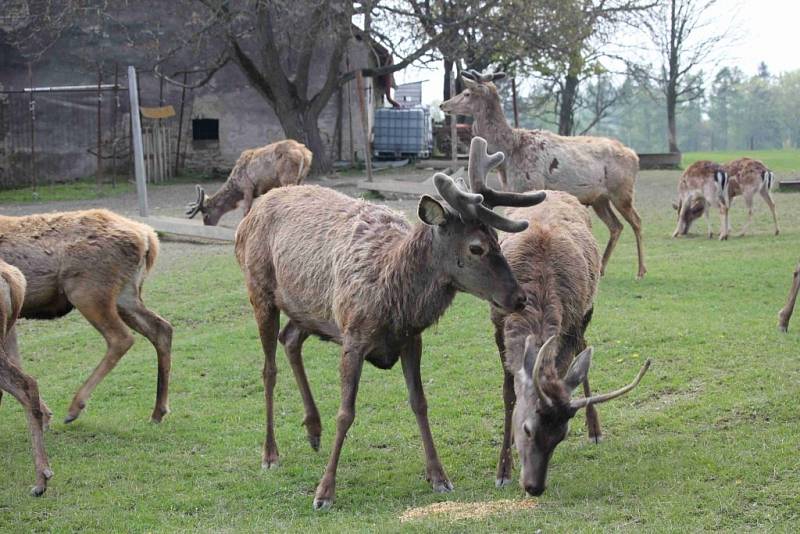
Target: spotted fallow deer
(748, 177)
(597, 170)
(257, 171)
(703, 184)
(13, 380)
(542, 345)
(95, 261)
(360, 275)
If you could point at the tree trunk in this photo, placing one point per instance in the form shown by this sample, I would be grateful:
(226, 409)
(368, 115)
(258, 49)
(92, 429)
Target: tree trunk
(302, 126)
(671, 123)
(566, 111)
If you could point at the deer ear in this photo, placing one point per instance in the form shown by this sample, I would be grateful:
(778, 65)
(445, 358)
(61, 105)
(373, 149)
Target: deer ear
(431, 212)
(579, 369)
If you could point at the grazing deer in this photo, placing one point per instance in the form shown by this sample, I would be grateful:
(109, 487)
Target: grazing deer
(786, 312)
(556, 262)
(12, 379)
(748, 177)
(360, 275)
(703, 184)
(95, 261)
(597, 170)
(257, 171)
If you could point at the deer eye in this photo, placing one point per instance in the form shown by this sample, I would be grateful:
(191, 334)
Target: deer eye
(467, 93)
(476, 250)
(527, 428)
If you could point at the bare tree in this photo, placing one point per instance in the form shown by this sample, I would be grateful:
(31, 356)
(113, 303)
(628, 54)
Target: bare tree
(685, 38)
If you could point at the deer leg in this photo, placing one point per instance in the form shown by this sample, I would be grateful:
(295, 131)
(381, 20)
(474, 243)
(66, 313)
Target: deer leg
(26, 391)
(629, 213)
(267, 318)
(786, 312)
(247, 201)
(159, 332)
(748, 200)
(410, 359)
(724, 223)
(506, 463)
(708, 221)
(603, 210)
(292, 338)
(765, 194)
(350, 373)
(12, 353)
(101, 312)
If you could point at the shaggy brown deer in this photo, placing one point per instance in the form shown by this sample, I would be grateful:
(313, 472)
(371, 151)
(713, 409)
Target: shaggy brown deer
(786, 312)
(13, 380)
(542, 346)
(257, 171)
(360, 275)
(748, 177)
(703, 184)
(597, 170)
(95, 261)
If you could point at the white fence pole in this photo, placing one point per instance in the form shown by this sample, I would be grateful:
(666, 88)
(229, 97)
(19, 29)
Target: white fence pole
(138, 155)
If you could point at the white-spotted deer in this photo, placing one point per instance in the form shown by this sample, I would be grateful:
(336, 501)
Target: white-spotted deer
(542, 345)
(13, 380)
(360, 275)
(747, 177)
(786, 312)
(703, 184)
(95, 261)
(257, 171)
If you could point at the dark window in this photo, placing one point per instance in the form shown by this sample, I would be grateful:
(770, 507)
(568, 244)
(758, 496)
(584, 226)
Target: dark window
(205, 129)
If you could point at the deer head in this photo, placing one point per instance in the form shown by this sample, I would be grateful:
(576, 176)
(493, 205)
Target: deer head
(478, 93)
(212, 207)
(464, 230)
(545, 405)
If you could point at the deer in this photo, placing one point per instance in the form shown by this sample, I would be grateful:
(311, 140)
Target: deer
(747, 177)
(542, 345)
(360, 275)
(703, 184)
(21, 386)
(786, 312)
(257, 171)
(95, 261)
(597, 170)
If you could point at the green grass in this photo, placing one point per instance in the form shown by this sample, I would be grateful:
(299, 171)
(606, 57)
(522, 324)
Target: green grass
(709, 440)
(85, 189)
(780, 161)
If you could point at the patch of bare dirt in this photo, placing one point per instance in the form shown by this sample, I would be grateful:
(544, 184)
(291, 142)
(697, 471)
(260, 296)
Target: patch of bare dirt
(456, 511)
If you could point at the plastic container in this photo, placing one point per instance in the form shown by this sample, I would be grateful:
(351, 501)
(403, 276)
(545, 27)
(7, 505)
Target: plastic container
(402, 133)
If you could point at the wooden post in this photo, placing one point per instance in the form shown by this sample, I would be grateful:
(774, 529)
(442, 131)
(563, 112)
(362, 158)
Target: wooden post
(180, 127)
(98, 174)
(364, 122)
(453, 128)
(114, 106)
(136, 130)
(32, 113)
(514, 101)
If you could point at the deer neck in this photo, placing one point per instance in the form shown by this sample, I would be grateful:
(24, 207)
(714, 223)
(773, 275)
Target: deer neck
(226, 197)
(491, 124)
(418, 291)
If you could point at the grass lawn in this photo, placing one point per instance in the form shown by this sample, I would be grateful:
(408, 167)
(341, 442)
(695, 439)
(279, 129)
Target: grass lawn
(709, 440)
(780, 161)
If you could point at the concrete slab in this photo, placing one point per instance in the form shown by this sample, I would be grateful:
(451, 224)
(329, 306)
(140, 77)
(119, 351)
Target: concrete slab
(188, 228)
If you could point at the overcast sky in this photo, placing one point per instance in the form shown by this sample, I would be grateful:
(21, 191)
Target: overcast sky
(768, 31)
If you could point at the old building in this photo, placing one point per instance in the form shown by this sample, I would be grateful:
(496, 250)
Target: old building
(51, 134)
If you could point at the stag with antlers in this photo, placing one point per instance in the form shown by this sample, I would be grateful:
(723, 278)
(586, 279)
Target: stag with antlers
(557, 263)
(360, 275)
(600, 172)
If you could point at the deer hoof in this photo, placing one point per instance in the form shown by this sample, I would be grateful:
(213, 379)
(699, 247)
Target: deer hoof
(38, 490)
(443, 486)
(322, 504)
(502, 482)
(71, 417)
(270, 464)
(596, 439)
(158, 415)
